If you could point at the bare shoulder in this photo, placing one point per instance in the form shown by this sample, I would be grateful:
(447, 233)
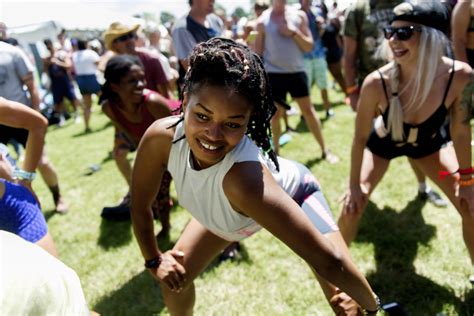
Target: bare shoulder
(155, 145)
(462, 71)
(244, 180)
(163, 128)
(375, 81)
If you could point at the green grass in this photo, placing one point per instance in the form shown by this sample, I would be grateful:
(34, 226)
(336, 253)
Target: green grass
(411, 252)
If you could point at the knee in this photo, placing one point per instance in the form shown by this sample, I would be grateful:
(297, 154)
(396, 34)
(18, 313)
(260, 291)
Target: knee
(188, 286)
(120, 154)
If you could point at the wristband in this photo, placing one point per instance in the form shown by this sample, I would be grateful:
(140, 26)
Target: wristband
(466, 183)
(352, 89)
(374, 312)
(19, 174)
(463, 172)
(153, 263)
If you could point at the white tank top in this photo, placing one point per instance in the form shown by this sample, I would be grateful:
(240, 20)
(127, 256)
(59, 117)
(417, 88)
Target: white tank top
(201, 192)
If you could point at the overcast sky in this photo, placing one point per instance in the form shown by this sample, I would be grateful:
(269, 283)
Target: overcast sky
(96, 12)
(21, 12)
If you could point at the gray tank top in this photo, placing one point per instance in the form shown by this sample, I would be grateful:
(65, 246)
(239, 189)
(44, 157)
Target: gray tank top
(282, 54)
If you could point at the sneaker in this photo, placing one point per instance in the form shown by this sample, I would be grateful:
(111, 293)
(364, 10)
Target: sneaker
(330, 157)
(329, 114)
(433, 197)
(118, 213)
(231, 252)
(77, 118)
(284, 139)
(61, 121)
(61, 206)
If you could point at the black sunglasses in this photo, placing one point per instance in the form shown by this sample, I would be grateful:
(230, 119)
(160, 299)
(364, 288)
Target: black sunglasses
(403, 33)
(125, 37)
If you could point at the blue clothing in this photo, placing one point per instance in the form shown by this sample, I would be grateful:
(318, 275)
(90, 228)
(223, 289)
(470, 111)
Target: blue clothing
(318, 47)
(20, 213)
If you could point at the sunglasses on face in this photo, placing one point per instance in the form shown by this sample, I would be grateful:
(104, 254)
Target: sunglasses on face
(126, 37)
(403, 33)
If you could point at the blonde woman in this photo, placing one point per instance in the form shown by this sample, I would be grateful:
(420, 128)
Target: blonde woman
(410, 99)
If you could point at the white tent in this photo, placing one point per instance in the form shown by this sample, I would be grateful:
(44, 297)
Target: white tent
(33, 33)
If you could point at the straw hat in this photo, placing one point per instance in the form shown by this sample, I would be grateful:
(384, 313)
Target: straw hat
(116, 30)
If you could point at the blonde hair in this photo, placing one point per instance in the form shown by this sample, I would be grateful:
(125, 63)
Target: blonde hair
(433, 45)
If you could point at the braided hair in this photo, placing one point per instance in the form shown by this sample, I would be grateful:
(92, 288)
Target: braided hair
(223, 62)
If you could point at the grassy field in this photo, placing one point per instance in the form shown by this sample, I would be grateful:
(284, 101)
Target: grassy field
(410, 251)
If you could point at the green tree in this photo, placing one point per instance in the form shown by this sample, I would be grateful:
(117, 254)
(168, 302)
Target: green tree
(239, 12)
(166, 17)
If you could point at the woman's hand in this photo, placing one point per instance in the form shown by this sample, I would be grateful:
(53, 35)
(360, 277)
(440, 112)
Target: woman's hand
(170, 271)
(343, 304)
(355, 199)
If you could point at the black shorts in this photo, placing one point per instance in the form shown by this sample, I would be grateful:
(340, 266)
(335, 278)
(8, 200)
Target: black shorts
(388, 149)
(19, 134)
(294, 83)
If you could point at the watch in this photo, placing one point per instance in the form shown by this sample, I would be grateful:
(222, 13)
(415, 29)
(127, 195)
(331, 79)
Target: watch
(19, 174)
(153, 263)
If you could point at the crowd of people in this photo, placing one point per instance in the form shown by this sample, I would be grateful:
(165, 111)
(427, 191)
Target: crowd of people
(201, 102)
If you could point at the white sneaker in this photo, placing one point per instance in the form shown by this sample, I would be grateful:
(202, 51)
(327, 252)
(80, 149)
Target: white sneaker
(62, 121)
(77, 118)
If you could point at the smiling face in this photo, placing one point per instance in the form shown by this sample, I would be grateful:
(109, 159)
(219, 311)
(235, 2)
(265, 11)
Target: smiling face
(125, 44)
(130, 88)
(405, 51)
(215, 120)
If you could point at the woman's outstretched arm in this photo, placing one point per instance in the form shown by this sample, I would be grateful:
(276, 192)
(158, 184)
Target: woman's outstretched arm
(252, 191)
(18, 115)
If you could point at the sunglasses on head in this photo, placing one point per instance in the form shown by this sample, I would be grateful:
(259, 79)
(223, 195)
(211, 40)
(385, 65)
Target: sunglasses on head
(403, 33)
(125, 37)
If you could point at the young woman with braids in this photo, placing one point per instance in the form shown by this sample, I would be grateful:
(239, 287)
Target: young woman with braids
(410, 100)
(132, 109)
(227, 175)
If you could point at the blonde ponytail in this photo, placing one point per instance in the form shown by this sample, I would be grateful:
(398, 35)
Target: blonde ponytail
(395, 111)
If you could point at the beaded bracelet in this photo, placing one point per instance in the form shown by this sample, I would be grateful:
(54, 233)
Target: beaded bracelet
(466, 183)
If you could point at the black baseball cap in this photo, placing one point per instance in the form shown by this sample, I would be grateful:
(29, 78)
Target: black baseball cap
(430, 13)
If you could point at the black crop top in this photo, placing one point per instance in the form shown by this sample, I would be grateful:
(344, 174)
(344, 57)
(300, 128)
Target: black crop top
(431, 125)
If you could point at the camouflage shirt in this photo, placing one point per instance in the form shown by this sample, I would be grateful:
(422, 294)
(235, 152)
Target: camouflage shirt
(364, 22)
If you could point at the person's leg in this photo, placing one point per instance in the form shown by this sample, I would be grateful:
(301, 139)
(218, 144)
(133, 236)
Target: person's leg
(276, 127)
(121, 149)
(321, 79)
(50, 177)
(200, 247)
(446, 159)
(87, 98)
(47, 244)
(312, 120)
(162, 206)
(372, 170)
(425, 192)
(336, 72)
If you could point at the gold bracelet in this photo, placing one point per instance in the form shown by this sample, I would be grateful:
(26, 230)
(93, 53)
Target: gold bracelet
(466, 183)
